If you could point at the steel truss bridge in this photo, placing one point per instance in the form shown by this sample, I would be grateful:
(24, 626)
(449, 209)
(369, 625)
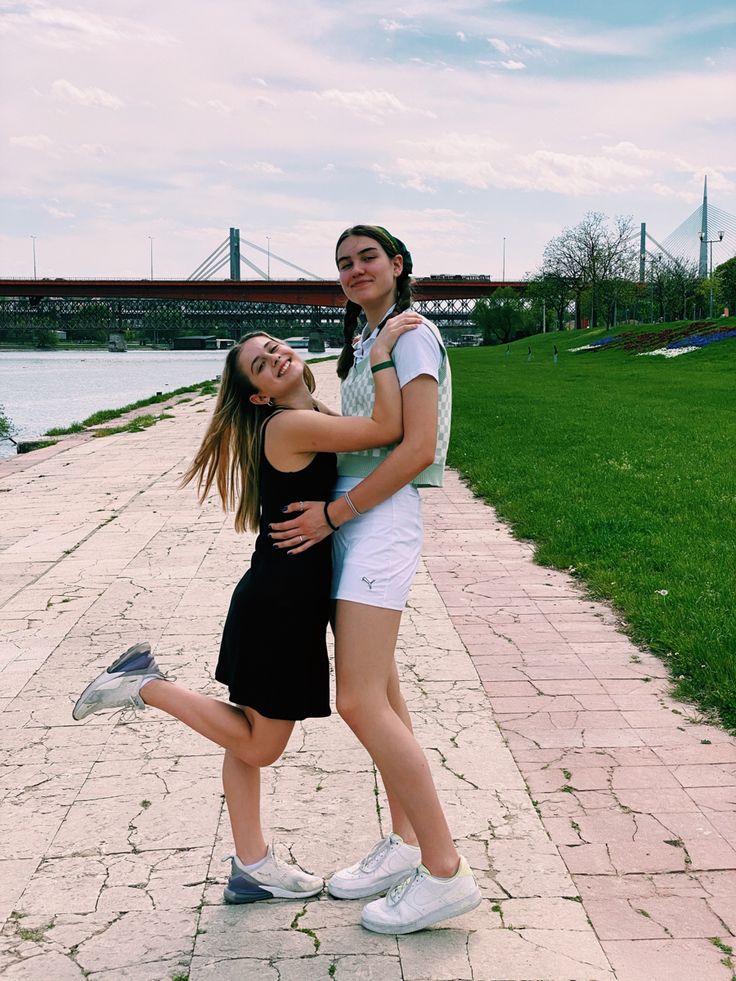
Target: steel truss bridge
(226, 308)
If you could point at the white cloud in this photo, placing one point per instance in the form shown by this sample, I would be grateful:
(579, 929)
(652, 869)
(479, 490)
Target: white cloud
(500, 45)
(217, 105)
(57, 212)
(38, 142)
(91, 97)
(513, 66)
(372, 104)
(477, 161)
(258, 167)
(94, 149)
(461, 36)
(65, 28)
(392, 25)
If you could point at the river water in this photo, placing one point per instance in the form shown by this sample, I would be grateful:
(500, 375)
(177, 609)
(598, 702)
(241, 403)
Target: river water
(43, 389)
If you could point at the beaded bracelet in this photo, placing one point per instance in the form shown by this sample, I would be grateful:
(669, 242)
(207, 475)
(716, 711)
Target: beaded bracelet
(327, 517)
(352, 507)
(381, 366)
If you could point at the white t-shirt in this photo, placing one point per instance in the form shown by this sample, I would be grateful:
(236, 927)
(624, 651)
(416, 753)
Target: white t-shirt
(415, 353)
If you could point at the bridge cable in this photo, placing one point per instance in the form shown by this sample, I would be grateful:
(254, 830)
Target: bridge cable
(210, 257)
(213, 265)
(253, 266)
(279, 258)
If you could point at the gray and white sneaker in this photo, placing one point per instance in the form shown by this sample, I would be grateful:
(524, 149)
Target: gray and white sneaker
(389, 861)
(119, 685)
(272, 879)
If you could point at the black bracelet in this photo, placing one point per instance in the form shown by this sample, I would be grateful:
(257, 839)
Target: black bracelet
(327, 518)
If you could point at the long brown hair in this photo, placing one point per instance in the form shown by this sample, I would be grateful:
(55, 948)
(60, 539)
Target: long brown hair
(392, 247)
(231, 448)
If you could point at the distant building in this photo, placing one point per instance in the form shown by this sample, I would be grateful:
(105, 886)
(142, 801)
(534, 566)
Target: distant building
(195, 343)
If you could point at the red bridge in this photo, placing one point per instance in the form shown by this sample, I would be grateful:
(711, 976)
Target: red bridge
(323, 292)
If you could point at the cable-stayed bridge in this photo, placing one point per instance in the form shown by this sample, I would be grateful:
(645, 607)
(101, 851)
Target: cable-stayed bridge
(704, 239)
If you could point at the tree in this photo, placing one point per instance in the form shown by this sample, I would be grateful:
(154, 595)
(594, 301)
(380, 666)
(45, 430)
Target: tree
(45, 338)
(553, 290)
(6, 427)
(591, 253)
(675, 288)
(500, 317)
(725, 277)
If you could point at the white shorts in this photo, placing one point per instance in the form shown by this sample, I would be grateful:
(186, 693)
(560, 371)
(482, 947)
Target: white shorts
(375, 556)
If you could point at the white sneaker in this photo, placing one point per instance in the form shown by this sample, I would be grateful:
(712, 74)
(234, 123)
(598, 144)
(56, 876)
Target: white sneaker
(273, 879)
(119, 685)
(388, 862)
(421, 900)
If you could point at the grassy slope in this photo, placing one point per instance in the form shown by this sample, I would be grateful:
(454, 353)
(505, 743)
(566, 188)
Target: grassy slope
(622, 467)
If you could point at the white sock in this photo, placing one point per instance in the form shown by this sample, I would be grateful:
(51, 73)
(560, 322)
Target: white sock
(254, 866)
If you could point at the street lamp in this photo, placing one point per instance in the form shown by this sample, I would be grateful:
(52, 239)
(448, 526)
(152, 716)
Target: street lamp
(150, 240)
(33, 239)
(503, 262)
(710, 242)
(268, 257)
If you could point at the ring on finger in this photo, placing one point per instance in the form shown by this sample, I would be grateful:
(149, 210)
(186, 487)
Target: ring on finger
(301, 539)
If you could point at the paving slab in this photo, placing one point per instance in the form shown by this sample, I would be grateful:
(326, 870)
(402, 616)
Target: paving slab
(598, 814)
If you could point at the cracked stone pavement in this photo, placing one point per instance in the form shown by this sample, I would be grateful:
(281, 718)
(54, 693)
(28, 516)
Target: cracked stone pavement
(599, 815)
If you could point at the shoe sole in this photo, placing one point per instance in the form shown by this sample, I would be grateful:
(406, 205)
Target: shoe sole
(259, 895)
(337, 892)
(454, 909)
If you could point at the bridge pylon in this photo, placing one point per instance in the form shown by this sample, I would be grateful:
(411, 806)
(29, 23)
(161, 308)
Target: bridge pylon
(235, 254)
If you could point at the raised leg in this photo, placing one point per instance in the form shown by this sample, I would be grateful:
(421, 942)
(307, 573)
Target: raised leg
(247, 734)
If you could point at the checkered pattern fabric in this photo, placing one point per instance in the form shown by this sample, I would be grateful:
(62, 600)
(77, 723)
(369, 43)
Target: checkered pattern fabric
(358, 395)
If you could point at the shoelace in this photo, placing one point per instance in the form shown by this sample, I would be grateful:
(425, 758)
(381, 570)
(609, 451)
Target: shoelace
(396, 893)
(375, 855)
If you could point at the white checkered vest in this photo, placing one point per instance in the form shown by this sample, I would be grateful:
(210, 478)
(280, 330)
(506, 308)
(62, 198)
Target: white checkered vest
(358, 394)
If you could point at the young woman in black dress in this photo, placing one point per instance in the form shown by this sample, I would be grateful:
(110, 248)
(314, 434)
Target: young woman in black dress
(265, 447)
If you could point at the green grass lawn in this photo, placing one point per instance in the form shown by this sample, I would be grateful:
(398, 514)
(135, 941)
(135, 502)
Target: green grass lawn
(623, 468)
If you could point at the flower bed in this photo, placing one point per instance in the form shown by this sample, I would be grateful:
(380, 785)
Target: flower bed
(670, 342)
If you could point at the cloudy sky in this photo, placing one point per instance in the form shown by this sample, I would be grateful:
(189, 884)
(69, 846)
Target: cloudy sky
(455, 124)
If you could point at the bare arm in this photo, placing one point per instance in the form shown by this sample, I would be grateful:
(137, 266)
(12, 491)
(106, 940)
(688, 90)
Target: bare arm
(414, 453)
(304, 431)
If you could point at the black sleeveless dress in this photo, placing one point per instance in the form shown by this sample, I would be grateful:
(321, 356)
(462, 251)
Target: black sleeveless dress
(273, 654)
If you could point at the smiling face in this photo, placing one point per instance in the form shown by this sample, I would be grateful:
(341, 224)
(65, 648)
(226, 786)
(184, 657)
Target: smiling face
(367, 274)
(271, 367)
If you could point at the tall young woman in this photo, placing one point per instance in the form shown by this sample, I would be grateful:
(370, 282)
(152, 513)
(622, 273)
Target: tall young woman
(264, 447)
(376, 518)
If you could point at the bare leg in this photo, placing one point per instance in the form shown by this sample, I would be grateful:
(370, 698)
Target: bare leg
(400, 822)
(247, 734)
(242, 785)
(365, 638)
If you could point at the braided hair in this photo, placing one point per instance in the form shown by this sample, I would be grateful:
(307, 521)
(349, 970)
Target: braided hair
(392, 247)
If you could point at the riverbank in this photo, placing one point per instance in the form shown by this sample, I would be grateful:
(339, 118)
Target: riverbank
(47, 390)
